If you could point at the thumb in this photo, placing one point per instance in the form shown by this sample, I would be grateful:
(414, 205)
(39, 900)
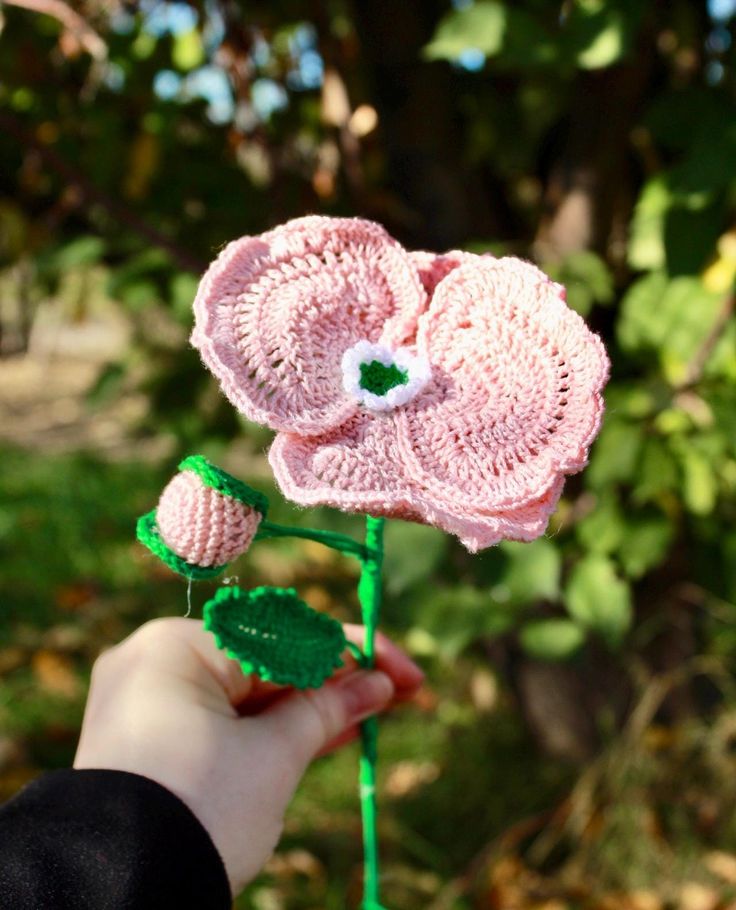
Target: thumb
(308, 721)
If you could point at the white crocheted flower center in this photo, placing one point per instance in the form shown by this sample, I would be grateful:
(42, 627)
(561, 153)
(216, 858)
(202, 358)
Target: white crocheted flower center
(382, 379)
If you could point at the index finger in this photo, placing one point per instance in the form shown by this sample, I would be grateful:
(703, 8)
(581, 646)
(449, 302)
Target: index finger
(395, 663)
(247, 693)
(406, 676)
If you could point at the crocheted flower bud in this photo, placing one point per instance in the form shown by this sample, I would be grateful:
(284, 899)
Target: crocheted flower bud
(205, 518)
(201, 525)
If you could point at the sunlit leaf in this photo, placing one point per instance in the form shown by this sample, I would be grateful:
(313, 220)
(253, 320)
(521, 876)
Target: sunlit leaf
(552, 639)
(83, 250)
(616, 452)
(413, 552)
(633, 399)
(600, 32)
(496, 30)
(182, 289)
(646, 248)
(670, 318)
(587, 279)
(532, 572)
(187, 50)
(657, 471)
(599, 600)
(699, 480)
(646, 542)
(481, 26)
(454, 617)
(603, 529)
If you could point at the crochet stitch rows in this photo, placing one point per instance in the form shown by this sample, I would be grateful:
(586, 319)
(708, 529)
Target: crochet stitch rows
(273, 633)
(200, 524)
(510, 403)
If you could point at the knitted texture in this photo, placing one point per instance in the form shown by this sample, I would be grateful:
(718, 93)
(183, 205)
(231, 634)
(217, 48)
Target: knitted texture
(509, 405)
(204, 527)
(148, 534)
(224, 483)
(272, 632)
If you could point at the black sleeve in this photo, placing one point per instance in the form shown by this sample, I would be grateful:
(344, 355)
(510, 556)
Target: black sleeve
(106, 840)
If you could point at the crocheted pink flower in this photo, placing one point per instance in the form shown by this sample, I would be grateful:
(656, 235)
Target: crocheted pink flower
(456, 390)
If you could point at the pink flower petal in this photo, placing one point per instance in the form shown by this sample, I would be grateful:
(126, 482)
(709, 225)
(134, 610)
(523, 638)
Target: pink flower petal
(477, 532)
(433, 267)
(357, 468)
(514, 400)
(274, 315)
(354, 467)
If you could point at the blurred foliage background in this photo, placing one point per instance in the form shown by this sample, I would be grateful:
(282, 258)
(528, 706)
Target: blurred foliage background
(575, 746)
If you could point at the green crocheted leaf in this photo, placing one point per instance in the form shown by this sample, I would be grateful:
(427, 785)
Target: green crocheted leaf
(225, 483)
(273, 633)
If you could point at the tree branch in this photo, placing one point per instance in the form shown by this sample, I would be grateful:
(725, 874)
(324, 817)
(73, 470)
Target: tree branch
(82, 31)
(700, 360)
(91, 193)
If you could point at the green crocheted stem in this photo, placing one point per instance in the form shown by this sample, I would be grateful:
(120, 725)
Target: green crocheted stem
(369, 594)
(147, 533)
(356, 652)
(332, 539)
(225, 483)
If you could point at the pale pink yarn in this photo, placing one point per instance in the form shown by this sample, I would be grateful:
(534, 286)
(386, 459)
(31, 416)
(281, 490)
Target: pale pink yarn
(203, 526)
(513, 403)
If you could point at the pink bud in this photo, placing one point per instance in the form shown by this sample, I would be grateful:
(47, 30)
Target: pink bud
(203, 526)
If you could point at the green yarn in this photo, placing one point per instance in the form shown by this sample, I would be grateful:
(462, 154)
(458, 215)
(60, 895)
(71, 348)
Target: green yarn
(369, 594)
(147, 533)
(378, 378)
(272, 632)
(332, 539)
(225, 483)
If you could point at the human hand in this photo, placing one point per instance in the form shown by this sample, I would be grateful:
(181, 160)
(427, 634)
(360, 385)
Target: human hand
(167, 704)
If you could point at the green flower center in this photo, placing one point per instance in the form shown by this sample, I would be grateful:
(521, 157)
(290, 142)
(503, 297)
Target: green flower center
(377, 378)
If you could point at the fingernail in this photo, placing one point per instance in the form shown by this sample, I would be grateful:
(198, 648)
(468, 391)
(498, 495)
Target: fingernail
(365, 692)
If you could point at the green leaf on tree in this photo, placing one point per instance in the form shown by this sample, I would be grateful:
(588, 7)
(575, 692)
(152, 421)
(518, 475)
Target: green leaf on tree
(481, 26)
(532, 572)
(449, 619)
(657, 474)
(646, 542)
(552, 639)
(603, 529)
(513, 36)
(699, 480)
(187, 51)
(413, 552)
(615, 454)
(646, 241)
(273, 633)
(587, 279)
(599, 33)
(598, 599)
(680, 325)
